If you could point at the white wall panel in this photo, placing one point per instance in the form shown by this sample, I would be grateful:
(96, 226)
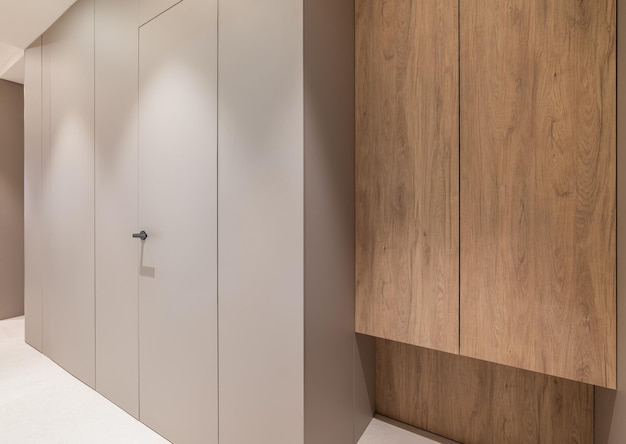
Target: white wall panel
(178, 209)
(33, 222)
(68, 282)
(149, 9)
(261, 239)
(117, 253)
(268, 283)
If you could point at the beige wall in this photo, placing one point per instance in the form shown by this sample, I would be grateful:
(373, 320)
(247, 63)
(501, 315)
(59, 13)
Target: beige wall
(116, 162)
(11, 199)
(267, 279)
(337, 406)
(33, 195)
(261, 221)
(68, 201)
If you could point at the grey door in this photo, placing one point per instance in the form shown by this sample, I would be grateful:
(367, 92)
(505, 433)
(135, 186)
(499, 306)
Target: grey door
(178, 210)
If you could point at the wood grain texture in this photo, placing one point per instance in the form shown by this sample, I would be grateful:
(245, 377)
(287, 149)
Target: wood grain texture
(538, 186)
(407, 171)
(610, 405)
(477, 402)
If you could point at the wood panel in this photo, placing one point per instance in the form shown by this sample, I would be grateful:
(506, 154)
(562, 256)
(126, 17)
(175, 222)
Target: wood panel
(407, 171)
(610, 404)
(477, 402)
(538, 186)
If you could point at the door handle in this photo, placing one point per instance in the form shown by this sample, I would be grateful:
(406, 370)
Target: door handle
(142, 235)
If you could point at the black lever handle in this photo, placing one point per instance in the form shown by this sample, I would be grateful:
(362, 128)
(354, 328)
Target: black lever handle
(143, 235)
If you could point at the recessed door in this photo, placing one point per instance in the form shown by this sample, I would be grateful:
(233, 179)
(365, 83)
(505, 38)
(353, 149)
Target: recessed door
(178, 211)
(117, 254)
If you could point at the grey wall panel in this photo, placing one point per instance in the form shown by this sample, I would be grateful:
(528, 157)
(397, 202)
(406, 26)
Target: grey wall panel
(178, 209)
(33, 223)
(261, 237)
(149, 9)
(68, 283)
(610, 427)
(117, 253)
(46, 135)
(329, 221)
(11, 199)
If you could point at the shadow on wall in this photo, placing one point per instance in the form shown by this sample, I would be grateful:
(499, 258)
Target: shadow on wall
(605, 414)
(11, 199)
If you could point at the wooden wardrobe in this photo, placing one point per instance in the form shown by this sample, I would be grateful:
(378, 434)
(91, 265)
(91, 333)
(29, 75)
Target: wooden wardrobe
(486, 200)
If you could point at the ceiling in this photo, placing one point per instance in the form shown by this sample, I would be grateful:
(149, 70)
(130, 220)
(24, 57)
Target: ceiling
(21, 22)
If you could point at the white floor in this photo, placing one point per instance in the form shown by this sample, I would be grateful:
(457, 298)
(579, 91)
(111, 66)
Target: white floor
(40, 403)
(386, 431)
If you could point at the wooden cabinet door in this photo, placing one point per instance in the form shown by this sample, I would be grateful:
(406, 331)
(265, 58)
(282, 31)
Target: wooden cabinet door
(407, 171)
(538, 175)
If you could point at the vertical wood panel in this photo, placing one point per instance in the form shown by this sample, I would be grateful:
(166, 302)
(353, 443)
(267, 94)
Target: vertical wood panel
(477, 402)
(407, 171)
(538, 186)
(610, 404)
(117, 254)
(33, 195)
(68, 321)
